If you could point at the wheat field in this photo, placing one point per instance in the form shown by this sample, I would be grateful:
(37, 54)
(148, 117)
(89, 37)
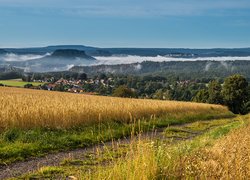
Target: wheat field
(229, 158)
(24, 108)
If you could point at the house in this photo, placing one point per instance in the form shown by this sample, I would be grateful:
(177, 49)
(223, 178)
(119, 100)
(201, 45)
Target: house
(50, 87)
(76, 90)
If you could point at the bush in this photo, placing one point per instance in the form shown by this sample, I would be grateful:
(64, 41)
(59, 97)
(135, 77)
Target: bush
(28, 85)
(123, 91)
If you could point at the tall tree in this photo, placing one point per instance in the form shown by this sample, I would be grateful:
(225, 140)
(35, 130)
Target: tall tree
(214, 91)
(201, 96)
(235, 93)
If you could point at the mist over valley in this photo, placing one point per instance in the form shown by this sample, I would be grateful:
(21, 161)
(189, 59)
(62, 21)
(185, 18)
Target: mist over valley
(61, 58)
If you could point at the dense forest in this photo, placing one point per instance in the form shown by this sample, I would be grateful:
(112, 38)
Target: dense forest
(185, 70)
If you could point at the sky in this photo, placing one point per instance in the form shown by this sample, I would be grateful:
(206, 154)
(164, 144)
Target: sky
(125, 23)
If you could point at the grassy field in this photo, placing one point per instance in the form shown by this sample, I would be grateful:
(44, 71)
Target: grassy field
(34, 123)
(219, 151)
(18, 83)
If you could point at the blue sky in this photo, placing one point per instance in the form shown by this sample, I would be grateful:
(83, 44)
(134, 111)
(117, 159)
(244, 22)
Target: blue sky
(125, 23)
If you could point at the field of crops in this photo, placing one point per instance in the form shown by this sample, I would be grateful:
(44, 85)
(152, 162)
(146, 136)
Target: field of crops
(34, 123)
(26, 108)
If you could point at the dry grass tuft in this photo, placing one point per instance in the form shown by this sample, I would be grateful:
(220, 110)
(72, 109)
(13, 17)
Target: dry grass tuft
(229, 158)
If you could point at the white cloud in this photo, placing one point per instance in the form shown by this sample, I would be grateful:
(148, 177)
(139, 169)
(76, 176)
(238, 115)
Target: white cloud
(69, 66)
(139, 59)
(15, 57)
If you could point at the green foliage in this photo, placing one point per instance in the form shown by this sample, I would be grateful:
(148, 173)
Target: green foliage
(26, 78)
(9, 75)
(201, 96)
(16, 144)
(89, 87)
(235, 93)
(104, 90)
(214, 91)
(185, 70)
(123, 91)
(163, 95)
(47, 173)
(82, 76)
(58, 87)
(11, 135)
(28, 85)
(245, 108)
(102, 76)
(165, 155)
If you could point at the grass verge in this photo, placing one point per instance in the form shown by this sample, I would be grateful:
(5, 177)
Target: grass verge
(144, 159)
(17, 144)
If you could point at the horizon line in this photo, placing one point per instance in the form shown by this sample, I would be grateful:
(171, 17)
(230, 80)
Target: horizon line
(123, 47)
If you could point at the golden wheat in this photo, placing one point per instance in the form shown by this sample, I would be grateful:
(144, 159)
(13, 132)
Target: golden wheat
(229, 158)
(33, 108)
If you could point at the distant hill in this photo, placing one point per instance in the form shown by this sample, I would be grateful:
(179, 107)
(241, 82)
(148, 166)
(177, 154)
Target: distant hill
(177, 52)
(70, 53)
(59, 60)
(180, 52)
(63, 57)
(48, 49)
(206, 69)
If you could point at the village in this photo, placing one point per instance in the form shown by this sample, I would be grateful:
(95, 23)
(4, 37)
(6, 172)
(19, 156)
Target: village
(86, 86)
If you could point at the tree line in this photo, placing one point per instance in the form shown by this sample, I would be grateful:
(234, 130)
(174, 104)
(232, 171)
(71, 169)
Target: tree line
(232, 91)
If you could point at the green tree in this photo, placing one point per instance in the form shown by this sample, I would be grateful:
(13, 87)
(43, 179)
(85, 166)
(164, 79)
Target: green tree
(104, 90)
(246, 108)
(89, 87)
(28, 85)
(102, 76)
(123, 91)
(202, 96)
(235, 93)
(214, 91)
(163, 94)
(82, 76)
(58, 87)
(74, 76)
(26, 78)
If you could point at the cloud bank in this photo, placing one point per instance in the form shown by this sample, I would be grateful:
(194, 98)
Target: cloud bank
(26, 57)
(138, 59)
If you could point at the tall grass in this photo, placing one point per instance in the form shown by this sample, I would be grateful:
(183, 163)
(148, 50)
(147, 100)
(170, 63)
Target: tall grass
(205, 157)
(229, 158)
(23, 108)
